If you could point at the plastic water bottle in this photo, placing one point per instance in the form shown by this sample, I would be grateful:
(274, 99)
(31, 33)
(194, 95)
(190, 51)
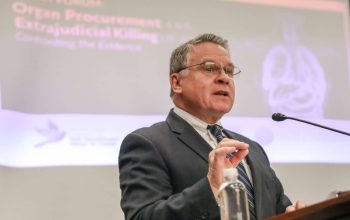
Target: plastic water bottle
(233, 200)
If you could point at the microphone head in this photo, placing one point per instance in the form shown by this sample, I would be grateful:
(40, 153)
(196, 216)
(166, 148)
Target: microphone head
(278, 117)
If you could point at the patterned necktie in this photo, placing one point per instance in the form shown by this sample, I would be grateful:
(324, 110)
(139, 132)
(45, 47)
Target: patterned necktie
(216, 131)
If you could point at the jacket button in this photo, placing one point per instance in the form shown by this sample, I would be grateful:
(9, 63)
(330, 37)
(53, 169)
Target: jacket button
(204, 215)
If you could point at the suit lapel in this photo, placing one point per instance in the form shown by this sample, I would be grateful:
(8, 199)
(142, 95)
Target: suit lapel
(257, 173)
(187, 135)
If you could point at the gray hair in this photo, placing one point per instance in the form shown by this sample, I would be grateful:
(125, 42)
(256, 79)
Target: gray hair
(179, 56)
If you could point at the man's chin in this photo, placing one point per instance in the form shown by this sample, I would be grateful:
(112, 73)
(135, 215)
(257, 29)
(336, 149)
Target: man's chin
(222, 110)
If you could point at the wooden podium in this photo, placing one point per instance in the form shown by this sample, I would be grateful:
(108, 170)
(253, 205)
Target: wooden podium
(333, 209)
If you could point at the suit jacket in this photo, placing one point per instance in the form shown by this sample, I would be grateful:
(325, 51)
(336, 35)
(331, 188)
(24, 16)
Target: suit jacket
(163, 174)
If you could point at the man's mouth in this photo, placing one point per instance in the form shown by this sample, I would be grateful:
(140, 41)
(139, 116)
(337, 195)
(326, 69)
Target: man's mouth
(221, 93)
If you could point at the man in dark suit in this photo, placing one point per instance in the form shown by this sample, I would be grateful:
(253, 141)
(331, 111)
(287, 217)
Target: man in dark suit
(173, 169)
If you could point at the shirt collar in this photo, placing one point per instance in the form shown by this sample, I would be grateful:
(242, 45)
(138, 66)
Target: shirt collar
(195, 122)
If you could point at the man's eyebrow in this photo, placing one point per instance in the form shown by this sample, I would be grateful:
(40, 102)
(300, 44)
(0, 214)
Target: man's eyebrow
(212, 60)
(230, 64)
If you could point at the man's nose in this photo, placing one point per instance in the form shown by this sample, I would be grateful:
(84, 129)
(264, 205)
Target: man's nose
(223, 77)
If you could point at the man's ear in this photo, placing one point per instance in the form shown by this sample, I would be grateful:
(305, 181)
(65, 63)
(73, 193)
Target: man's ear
(175, 82)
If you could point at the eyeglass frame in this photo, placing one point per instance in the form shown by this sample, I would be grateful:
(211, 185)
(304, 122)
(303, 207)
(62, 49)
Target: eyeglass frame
(221, 68)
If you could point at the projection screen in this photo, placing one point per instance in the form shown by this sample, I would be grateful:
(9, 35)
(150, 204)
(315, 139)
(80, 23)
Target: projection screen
(78, 75)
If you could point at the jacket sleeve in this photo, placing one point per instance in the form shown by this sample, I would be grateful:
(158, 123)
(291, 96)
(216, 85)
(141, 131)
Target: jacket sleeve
(147, 192)
(282, 199)
(274, 199)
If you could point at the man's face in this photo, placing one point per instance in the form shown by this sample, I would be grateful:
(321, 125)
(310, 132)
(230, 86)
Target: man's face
(205, 95)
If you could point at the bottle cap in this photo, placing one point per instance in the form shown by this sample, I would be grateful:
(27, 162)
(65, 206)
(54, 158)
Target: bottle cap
(231, 173)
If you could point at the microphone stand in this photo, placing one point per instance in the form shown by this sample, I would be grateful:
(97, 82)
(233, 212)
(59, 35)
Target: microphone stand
(318, 125)
(281, 117)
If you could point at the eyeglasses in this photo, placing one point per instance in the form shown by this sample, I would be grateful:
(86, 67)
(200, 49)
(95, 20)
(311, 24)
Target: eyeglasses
(211, 67)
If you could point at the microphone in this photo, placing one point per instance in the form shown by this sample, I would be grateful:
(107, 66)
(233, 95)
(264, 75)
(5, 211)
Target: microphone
(282, 117)
(278, 117)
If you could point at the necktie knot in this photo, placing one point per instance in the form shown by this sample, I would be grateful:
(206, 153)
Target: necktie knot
(216, 131)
